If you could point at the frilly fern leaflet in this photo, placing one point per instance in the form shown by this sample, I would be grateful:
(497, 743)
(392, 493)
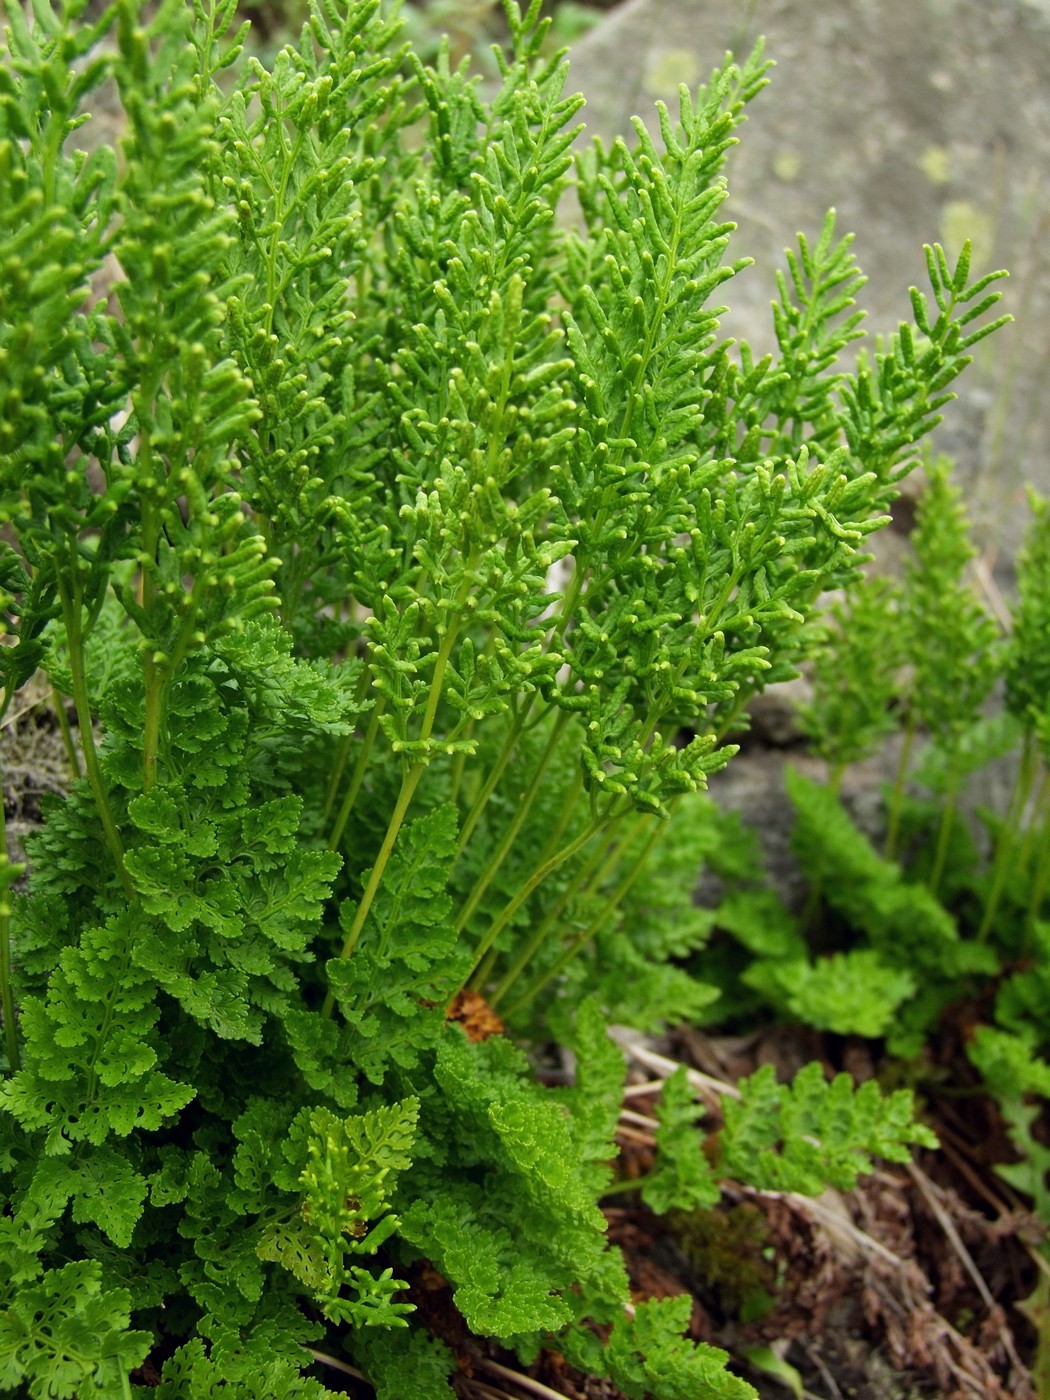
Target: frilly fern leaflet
(408, 557)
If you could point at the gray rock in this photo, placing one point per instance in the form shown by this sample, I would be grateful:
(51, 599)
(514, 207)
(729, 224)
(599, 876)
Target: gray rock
(920, 121)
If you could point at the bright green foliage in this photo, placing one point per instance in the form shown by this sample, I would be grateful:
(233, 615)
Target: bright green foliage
(851, 993)
(627, 938)
(637, 961)
(821, 284)
(952, 638)
(804, 1135)
(407, 558)
(400, 1364)
(508, 1209)
(191, 1371)
(349, 1175)
(895, 400)
(953, 644)
(759, 919)
(1011, 1058)
(856, 675)
(800, 1137)
(1008, 1063)
(648, 1357)
(67, 1331)
(903, 957)
(903, 920)
(887, 944)
(408, 954)
(92, 1050)
(682, 1178)
(1029, 1174)
(1028, 652)
(1018, 1076)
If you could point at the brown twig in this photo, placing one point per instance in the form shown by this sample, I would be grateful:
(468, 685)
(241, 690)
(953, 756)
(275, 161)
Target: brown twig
(816, 1360)
(973, 1178)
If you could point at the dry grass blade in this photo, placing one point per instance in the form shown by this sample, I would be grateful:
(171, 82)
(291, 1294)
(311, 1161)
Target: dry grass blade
(478, 1388)
(930, 1196)
(323, 1359)
(982, 568)
(705, 1084)
(840, 1230)
(636, 1091)
(634, 1135)
(640, 1120)
(526, 1383)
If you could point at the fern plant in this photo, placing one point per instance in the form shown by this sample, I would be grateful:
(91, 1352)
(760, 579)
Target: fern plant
(914, 658)
(305, 396)
(890, 939)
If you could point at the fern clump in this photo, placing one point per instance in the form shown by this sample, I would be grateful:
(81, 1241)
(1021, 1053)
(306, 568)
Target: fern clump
(406, 557)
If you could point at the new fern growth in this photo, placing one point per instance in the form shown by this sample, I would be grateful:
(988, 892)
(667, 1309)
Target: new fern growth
(408, 556)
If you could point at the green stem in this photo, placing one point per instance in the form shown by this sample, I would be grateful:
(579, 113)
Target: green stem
(601, 857)
(484, 968)
(404, 799)
(358, 777)
(459, 764)
(448, 641)
(944, 834)
(835, 776)
(7, 993)
(568, 809)
(156, 688)
(341, 759)
(343, 753)
(569, 602)
(1040, 874)
(741, 700)
(893, 825)
(618, 1188)
(583, 937)
(71, 608)
(603, 861)
(808, 918)
(1006, 847)
(524, 806)
(296, 569)
(66, 732)
(1039, 806)
(531, 884)
(150, 539)
(491, 782)
(160, 669)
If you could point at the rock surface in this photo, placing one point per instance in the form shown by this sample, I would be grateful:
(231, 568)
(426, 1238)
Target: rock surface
(920, 121)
